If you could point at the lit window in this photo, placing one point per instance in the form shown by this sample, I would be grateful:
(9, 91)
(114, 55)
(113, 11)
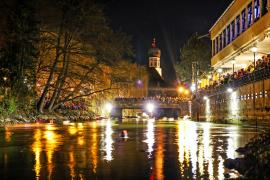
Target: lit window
(233, 30)
(220, 42)
(238, 25)
(217, 45)
(224, 38)
(228, 35)
(256, 9)
(243, 20)
(249, 14)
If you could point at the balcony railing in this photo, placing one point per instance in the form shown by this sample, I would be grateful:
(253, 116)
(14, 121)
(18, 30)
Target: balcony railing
(255, 76)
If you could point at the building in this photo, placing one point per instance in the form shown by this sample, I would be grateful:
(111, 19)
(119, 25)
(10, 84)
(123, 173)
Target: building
(243, 25)
(238, 88)
(156, 84)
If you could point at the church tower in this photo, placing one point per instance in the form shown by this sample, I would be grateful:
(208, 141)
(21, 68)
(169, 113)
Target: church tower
(154, 54)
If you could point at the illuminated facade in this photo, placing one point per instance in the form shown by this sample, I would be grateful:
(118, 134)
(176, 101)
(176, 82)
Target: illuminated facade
(243, 25)
(236, 91)
(154, 57)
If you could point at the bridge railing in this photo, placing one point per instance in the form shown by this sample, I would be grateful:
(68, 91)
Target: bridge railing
(160, 100)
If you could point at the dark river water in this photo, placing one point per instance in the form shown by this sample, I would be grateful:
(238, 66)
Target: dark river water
(154, 150)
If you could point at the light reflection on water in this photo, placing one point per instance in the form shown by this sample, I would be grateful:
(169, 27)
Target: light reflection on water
(154, 150)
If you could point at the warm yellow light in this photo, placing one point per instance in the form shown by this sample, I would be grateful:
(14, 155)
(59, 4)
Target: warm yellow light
(181, 89)
(186, 92)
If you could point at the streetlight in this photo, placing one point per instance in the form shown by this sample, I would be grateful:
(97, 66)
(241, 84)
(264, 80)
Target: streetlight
(193, 87)
(5, 85)
(219, 73)
(181, 89)
(254, 49)
(233, 63)
(108, 107)
(229, 90)
(150, 108)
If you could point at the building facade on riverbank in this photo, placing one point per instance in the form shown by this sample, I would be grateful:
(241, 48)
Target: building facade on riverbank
(238, 88)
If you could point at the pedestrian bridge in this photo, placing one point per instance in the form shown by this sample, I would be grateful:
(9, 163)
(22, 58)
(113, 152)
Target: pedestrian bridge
(162, 106)
(140, 103)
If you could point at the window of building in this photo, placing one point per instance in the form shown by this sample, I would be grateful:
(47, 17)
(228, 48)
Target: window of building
(228, 35)
(238, 26)
(249, 14)
(256, 9)
(264, 7)
(232, 30)
(243, 20)
(217, 45)
(220, 42)
(224, 38)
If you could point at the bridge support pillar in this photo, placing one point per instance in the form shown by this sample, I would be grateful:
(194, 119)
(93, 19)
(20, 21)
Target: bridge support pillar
(117, 112)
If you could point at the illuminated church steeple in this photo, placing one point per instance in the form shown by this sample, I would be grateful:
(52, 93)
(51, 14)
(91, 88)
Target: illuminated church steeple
(154, 54)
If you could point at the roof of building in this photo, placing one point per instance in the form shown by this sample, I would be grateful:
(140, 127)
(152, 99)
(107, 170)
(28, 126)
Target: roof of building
(222, 14)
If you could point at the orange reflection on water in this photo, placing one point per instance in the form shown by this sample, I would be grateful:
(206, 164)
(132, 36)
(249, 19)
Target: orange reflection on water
(108, 141)
(71, 164)
(37, 148)
(94, 148)
(159, 156)
(51, 144)
(150, 137)
(187, 145)
(8, 134)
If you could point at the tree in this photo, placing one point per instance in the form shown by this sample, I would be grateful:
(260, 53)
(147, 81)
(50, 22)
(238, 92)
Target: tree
(81, 45)
(194, 50)
(19, 52)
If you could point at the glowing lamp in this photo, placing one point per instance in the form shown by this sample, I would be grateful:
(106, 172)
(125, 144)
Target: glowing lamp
(150, 107)
(229, 90)
(254, 49)
(219, 70)
(193, 87)
(186, 92)
(108, 107)
(181, 89)
(205, 97)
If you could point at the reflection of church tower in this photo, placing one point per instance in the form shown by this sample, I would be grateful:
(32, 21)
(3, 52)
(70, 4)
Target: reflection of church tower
(154, 54)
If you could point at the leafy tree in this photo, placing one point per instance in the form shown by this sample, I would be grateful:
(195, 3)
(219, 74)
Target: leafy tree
(19, 52)
(197, 50)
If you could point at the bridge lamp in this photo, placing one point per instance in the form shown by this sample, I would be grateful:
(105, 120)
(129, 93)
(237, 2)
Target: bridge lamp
(205, 98)
(229, 90)
(193, 87)
(150, 107)
(108, 107)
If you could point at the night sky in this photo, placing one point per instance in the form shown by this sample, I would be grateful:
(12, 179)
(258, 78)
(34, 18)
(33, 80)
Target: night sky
(171, 22)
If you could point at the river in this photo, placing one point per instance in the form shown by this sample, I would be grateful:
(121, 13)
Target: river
(153, 150)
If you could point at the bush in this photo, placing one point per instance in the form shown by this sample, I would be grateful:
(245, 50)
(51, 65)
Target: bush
(8, 106)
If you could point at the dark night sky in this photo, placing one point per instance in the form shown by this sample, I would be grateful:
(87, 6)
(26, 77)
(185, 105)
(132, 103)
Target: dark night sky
(171, 22)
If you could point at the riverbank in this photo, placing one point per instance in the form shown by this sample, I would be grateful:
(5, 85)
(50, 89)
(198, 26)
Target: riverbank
(57, 117)
(255, 163)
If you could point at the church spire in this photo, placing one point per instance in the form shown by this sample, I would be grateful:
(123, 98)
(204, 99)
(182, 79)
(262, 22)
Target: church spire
(154, 55)
(154, 45)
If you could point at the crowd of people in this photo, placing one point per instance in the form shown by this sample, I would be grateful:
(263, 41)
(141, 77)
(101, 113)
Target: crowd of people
(260, 64)
(162, 99)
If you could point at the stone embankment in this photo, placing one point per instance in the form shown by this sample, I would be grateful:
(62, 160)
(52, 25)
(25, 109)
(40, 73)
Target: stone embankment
(255, 163)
